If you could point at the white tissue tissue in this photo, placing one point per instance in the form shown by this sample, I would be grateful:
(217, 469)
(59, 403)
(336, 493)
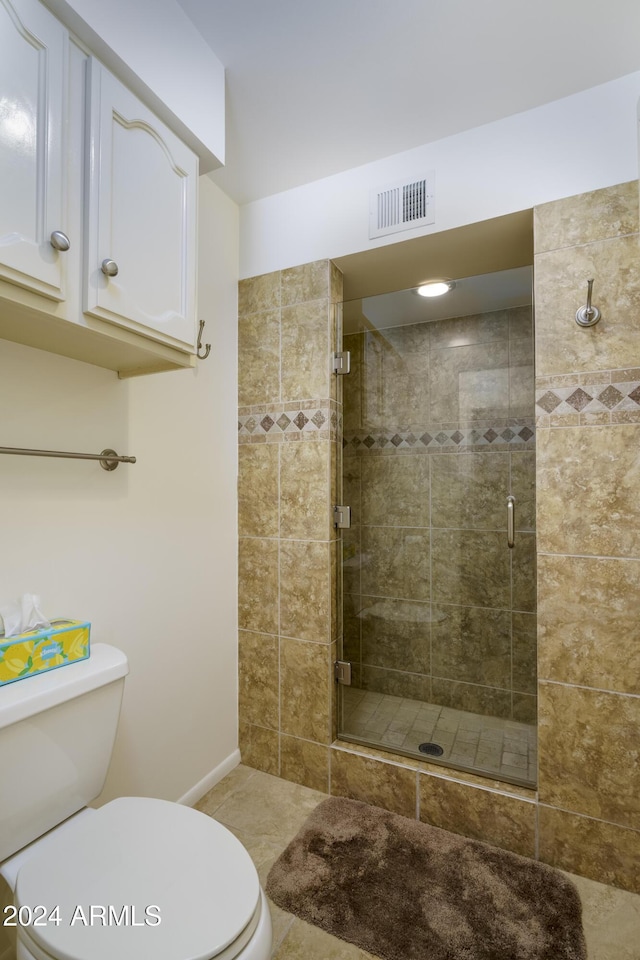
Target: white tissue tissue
(25, 615)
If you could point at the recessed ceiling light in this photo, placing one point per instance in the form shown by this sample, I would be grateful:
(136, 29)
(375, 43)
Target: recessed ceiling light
(435, 288)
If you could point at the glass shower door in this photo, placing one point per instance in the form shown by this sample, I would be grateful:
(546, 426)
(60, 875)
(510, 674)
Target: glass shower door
(439, 563)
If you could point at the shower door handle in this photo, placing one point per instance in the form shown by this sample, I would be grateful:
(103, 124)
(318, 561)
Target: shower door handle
(511, 526)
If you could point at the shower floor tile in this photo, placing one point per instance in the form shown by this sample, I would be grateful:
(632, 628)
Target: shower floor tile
(502, 748)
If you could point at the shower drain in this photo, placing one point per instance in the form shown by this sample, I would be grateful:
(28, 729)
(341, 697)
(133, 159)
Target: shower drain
(433, 749)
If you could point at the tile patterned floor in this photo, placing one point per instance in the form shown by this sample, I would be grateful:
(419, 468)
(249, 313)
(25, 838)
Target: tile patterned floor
(502, 748)
(265, 813)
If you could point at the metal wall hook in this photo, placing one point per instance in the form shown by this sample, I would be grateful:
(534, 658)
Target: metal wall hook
(207, 346)
(588, 315)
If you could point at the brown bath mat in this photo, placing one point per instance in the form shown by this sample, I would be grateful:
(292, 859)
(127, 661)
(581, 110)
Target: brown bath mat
(404, 890)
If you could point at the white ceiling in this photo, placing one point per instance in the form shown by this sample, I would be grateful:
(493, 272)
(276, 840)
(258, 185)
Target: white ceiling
(317, 88)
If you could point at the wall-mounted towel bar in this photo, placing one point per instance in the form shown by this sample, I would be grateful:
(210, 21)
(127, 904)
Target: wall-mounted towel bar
(108, 459)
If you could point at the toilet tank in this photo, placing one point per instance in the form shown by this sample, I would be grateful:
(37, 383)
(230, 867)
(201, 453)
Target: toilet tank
(57, 732)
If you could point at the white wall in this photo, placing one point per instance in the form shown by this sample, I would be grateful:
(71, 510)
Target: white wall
(155, 49)
(146, 553)
(576, 144)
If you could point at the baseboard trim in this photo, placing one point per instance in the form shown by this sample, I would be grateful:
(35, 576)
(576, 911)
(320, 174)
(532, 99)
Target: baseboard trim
(203, 786)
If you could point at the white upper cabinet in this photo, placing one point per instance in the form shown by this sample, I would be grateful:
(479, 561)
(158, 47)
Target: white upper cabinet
(33, 162)
(140, 207)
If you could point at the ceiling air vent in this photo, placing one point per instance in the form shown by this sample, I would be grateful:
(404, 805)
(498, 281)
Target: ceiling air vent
(401, 206)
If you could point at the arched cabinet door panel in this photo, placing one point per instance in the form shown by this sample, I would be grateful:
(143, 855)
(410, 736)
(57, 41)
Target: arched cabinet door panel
(140, 269)
(33, 153)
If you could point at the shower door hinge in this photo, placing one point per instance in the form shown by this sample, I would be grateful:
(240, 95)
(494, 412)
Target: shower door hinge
(342, 362)
(342, 672)
(342, 517)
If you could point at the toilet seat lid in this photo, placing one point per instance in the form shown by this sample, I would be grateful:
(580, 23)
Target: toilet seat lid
(133, 854)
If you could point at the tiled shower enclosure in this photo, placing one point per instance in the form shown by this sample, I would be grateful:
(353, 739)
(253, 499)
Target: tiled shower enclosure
(440, 613)
(585, 814)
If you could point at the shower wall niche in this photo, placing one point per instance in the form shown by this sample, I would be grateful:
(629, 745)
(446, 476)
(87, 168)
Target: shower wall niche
(439, 608)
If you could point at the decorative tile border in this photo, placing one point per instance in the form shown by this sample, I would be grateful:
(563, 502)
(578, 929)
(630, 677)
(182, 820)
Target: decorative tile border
(611, 396)
(435, 439)
(309, 420)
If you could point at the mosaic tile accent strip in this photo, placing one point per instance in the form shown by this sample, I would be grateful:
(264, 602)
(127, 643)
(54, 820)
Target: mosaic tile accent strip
(316, 420)
(436, 439)
(602, 397)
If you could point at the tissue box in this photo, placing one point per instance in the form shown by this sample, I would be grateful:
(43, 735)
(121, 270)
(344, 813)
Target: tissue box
(36, 651)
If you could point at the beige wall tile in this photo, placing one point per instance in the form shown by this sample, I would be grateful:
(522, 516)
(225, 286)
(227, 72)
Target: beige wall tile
(304, 762)
(258, 489)
(395, 490)
(305, 590)
(587, 490)
(589, 616)
(396, 378)
(309, 281)
(351, 387)
(523, 572)
(305, 691)
(335, 485)
(470, 490)
(506, 822)
(305, 489)
(523, 488)
(524, 639)
(470, 567)
(602, 851)
(395, 634)
(472, 644)
(259, 352)
(335, 588)
(259, 748)
(521, 378)
(381, 784)
(597, 215)
(334, 701)
(520, 322)
(587, 742)
(561, 288)
(395, 562)
(258, 679)
(470, 382)
(351, 633)
(465, 331)
(259, 293)
(396, 683)
(351, 559)
(487, 701)
(336, 284)
(305, 351)
(258, 585)
(525, 709)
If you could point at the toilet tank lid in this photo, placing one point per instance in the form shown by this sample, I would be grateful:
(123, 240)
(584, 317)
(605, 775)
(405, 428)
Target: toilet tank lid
(31, 695)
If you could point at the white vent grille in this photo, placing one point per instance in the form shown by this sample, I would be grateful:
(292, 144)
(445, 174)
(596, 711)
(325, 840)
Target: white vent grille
(401, 206)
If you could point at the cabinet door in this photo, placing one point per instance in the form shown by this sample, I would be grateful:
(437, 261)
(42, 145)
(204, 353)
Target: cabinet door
(33, 56)
(141, 217)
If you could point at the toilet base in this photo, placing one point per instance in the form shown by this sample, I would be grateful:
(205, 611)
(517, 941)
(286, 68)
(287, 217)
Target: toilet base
(257, 948)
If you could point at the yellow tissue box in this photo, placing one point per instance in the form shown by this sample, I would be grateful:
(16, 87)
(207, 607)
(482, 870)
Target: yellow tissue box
(37, 651)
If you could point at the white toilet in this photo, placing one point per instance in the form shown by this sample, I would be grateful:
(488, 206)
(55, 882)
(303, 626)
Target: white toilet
(135, 878)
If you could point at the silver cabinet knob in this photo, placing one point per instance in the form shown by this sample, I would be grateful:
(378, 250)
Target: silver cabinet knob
(59, 241)
(109, 268)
